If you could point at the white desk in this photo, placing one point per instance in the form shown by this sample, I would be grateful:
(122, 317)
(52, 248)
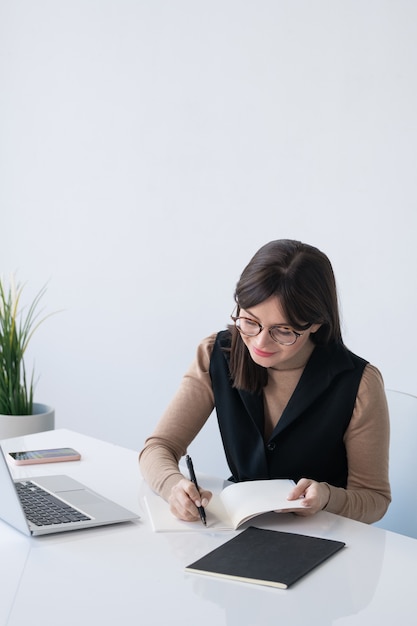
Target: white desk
(129, 574)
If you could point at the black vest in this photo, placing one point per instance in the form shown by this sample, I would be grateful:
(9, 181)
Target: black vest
(308, 439)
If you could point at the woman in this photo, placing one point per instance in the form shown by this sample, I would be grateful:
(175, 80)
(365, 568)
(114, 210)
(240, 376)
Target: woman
(291, 400)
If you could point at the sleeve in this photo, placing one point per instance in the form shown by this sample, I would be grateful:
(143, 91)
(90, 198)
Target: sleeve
(368, 492)
(182, 420)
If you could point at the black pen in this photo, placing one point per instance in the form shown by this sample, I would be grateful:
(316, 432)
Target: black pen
(194, 480)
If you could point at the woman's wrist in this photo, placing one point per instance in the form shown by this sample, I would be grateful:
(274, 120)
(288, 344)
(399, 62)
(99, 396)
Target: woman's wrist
(326, 495)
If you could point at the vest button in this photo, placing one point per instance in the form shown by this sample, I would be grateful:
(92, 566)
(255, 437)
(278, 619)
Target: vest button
(271, 446)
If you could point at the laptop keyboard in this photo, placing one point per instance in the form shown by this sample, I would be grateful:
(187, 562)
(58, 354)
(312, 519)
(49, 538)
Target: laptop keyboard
(43, 509)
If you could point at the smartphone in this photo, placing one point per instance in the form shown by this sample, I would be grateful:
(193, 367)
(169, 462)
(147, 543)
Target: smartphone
(52, 455)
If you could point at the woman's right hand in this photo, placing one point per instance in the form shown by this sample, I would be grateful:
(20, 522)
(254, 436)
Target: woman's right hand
(185, 498)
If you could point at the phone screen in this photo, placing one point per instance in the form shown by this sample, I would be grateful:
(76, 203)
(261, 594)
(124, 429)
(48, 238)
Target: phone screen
(48, 454)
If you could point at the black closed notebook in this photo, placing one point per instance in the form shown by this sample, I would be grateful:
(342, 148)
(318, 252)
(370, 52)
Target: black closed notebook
(266, 557)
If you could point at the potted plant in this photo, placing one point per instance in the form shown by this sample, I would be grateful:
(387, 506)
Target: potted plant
(19, 414)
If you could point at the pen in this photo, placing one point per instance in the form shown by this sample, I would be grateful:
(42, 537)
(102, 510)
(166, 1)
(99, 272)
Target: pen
(194, 480)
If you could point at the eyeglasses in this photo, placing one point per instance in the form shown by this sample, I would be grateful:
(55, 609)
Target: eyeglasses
(281, 334)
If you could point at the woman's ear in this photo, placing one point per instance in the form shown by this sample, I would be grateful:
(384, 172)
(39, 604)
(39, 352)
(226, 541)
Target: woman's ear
(314, 328)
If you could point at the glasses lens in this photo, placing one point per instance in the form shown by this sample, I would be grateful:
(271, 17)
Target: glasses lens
(247, 326)
(285, 336)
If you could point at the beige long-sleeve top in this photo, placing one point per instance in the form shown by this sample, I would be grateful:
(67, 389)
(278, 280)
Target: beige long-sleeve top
(367, 495)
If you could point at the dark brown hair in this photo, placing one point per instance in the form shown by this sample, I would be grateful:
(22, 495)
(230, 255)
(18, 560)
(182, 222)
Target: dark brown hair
(301, 276)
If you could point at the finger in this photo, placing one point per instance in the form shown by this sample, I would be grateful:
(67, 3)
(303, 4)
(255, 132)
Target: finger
(299, 490)
(185, 498)
(199, 497)
(205, 497)
(182, 507)
(180, 503)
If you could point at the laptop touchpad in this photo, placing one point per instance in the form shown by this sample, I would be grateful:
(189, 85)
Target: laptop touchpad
(80, 497)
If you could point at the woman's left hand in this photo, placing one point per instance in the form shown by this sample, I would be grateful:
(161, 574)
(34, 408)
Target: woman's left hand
(315, 496)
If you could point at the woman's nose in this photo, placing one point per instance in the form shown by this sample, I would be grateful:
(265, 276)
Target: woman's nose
(263, 338)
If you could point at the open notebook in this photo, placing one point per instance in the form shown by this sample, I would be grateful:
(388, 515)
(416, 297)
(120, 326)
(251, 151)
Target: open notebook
(232, 504)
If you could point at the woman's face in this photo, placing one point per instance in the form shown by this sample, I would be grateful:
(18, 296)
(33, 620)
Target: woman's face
(267, 352)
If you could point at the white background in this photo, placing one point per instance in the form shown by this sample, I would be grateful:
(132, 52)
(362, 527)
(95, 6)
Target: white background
(148, 148)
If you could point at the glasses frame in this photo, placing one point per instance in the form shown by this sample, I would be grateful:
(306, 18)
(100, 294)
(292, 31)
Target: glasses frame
(235, 319)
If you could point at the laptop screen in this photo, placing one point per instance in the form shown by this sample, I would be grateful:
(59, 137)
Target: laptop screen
(10, 507)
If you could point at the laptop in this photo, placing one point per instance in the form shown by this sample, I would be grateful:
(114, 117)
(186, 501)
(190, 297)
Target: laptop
(43, 505)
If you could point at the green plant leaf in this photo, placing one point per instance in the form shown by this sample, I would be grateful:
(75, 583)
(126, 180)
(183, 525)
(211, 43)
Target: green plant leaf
(17, 325)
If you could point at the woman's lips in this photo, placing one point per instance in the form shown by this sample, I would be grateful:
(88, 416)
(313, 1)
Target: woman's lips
(262, 353)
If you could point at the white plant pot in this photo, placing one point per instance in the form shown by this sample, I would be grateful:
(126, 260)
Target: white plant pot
(43, 418)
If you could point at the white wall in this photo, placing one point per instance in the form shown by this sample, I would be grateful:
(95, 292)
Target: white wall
(149, 148)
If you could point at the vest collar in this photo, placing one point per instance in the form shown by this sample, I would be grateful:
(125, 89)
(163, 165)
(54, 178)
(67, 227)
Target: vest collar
(324, 365)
